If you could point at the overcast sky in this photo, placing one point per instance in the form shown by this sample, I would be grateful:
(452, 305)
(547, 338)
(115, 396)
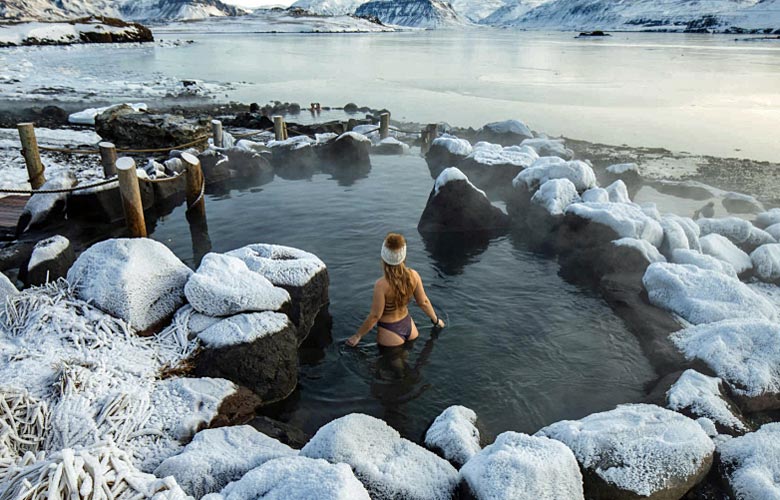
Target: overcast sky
(252, 4)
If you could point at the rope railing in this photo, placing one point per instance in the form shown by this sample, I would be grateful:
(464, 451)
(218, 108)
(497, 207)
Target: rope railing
(127, 151)
(58, 191)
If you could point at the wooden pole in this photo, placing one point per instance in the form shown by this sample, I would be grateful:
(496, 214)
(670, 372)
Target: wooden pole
(194, 188)
(108, 158)
(32, 157)
(216, 131)
(131, 197)
(384, 125)
(279, 128)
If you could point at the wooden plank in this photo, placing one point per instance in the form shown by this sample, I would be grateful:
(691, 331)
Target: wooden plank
(11, 208)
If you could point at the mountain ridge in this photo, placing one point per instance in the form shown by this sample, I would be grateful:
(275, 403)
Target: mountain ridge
(131, 10)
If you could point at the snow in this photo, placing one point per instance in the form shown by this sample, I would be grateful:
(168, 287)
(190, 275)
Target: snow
(515, 127)
(636, 447)
(742, 200)
(703, 296)
(708, 426)
(386, 463)
(55, 33)
(766, 262)
(329, 7)
(549, 147)
(455, 434)
(486, 153)
(578, 172)
(281, 265)
(521, 466)
(774, 231)
(48, 249)
(224, 285)
(243, 329)
(453, 174)
(40, 206)
(618, 192)
(622, 168)
(703, 261)
(735, 229)
(354, 136)
(555, 195)
(595, 195)
(768, 218)
(87, 116)
(628, 221)
(7, 289)
(702, 395)
(458, 147)
(648, 251)
(428, 14)
(753, 462)
(679, 233)
(138, 280)
(293, 143)
(216, 457)
(296, 478)
(723, 249)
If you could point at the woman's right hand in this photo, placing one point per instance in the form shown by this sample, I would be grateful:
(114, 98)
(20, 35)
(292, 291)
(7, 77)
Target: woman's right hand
(440, 324)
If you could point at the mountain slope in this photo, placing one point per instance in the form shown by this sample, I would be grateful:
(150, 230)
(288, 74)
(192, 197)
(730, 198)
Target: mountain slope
(412, 13)
(476, 10)
(137, 10)
(329, 7)
(510, 11)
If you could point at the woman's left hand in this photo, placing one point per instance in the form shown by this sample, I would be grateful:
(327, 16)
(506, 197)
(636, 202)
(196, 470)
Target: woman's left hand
(353, 340)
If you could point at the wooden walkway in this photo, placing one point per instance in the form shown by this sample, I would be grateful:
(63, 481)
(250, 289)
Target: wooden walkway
(11, 208)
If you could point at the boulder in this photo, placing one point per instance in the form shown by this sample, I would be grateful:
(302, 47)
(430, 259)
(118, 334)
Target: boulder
(215, 166)
(739, 231)
(518, 466)
(223, 285)
(679, 233)
(738, 203)
(627, 172)
(506, 133)
(766, 262)
(595, 195)
(724, 250)
(455, 205)
(768, 218)
(555, 195)
(549, 147)
(578, 172)
(302, 274)
(128, 128)
(7, 289)
(296, 478)
(492, 167)
(622, 219)
(245, 163)
(699, 396)
(751, 463)
(703, 296)
(294, 158)
(215, 457)
(636, 451)
(50, 260)
(454, 435)
(282, 432)
(104, 203)
(387, 465)
(348, 150)
(138, 280)
(691, 190)
(389, 146)
(44, 208)
(258, 350)
(618, 192)
(446, 151)
(774, 231)
(744, 353)
(703, 261)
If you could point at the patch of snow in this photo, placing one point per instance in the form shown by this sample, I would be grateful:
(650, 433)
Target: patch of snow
(622, 168)
(453, 174)
(515, 127)
(48, 249)
(707, 426)
(618, 192)
(595, 195)
(454, 432)
(651, 210)
(40, 206)
(87, 116)
(486, 153)
(458, 147)
(679, 233)
(7, 289)
(555, 195)
(549, 147)
(768, 218)
(723, 249)
(766, 262)
(243, 329)
(773, 231)
(753, 462)
(578, 172)
(281, 265)
(354, 136)
(648, 251)
(293, 143)
(702, 394)
(735, 229)
(703, 261)
(628, 221)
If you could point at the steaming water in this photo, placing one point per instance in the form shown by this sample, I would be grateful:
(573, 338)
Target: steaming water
(523, 348)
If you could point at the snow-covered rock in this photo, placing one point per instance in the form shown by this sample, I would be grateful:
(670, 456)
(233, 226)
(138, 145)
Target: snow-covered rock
(50, 260)
(637, 449)
(738, 231)
(446, 151)
(774, 231)
(555, 195)
(703, 261)
(766, 262)
(454, 435)
(627, 221)
(595, 195)
(329, 7)
(506, 133)
(518, 466)
(41, 208)
(723, 249)
(7, 289)
(87, 116)
(297, 477)
(388, 465)
(768, 218)
(223, 285)
(488, 154)
(648, 251)
(752, 463)
(429, 14)
(679, 233)
(549, 147)
(242, 329)
(215, 457)
(703, 296)
(698, 396)
(138, 280)
(578, 172)
(623, 168)
(618, 192)
(739, 203)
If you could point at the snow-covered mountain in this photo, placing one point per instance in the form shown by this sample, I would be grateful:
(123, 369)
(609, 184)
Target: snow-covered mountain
(329, 7)
(476, 10)
(413, 13)
(510, 11)
(137, 10)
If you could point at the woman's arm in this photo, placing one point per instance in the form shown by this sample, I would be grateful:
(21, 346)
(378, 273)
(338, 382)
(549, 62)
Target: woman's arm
(422, 300)
(377, 308)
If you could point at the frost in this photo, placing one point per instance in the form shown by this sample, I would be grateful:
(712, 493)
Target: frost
(648, 251)
(354, 136)
(622, 168)
(735, 229)
(39, 206)
(766, 262)
(618, 192)
(723, 249)
(486, 153)
(774, 231)
(243, 329)
(7, 289)
(453, 174)
(595, 195)
(458, 147)
(679, 233)
(694, 258)
(293, 143)
(555, 195)
(628, 221)
(281, 265)
(753, 463)
(454, 432)
(549, 147)
(702, 394)
(578, 172)
(768, 218)
(48, 249)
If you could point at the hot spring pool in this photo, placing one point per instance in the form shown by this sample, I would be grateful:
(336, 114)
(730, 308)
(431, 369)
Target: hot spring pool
(523, 347)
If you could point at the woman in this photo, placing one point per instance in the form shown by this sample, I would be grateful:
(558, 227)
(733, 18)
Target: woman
(392, 293)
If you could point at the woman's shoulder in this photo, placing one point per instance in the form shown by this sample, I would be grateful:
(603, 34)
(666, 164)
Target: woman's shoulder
(415, 275)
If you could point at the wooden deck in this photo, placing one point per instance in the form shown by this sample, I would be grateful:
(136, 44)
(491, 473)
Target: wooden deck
(11, 208)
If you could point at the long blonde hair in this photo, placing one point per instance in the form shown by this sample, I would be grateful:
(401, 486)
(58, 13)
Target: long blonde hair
(399, 277)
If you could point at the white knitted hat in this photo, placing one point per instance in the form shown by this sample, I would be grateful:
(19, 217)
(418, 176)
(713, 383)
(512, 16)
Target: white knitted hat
(393, 257)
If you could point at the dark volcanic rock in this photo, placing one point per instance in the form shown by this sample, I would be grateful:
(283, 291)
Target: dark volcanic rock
(349, 150)
(284, 433)
(50, 260)
(104, 204)
(294, 158)
(506, 133)
(252, 120)
(128, 128)
(495, 178)
(446, 152)
(215, 166)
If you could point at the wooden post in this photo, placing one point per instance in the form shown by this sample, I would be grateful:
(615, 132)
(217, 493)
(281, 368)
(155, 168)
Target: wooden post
(351, 124)
(32, 157)
(108, 158)
(194, 188)
(216, 131)
(384, 125)
(131, 197)
(279, 128)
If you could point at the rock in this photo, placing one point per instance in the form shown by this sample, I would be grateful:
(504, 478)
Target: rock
(691, 190)
(766, 263)
(215, 457)
(302, 274)
(284, 433)
(696, 396)
(679, 233)
(506, 133)
(636, 451)
(492, 167)
(104, 203)
(549, 147)
(349, 151)
(518, 466)
(774, 231)
(703, 296)
(648, 252)
(624, 221)
(138, 280)
(546, 168)
(389, 146)
(256, 350)
(44, 208)
(738, 203)
(618, 192)
(595, 195)
(743, 352)
(251, 120)
(768, 218)
(751, 463)
(738, 231)
(446, 151)
(50, 260)
(296, 478)
(7, 289)
(242, 162)
(627, 172)
(387, 465)
(128, 128)
(215, 166)
(724, 250)
(223, 285)
(555, 195)
(294, 158)
(455, 205)
(703, 261)
(454, 435)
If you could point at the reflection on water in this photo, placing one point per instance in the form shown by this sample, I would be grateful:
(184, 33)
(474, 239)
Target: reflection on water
(523, 347)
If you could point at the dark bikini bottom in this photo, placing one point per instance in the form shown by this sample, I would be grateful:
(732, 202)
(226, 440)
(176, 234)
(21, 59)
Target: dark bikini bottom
(402, 328)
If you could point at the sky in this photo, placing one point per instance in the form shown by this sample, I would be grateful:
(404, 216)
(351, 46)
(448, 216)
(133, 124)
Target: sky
(253, 4)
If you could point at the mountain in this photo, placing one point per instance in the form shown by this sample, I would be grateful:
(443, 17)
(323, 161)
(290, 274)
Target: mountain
(329, 7)
(510, 11)
(476, 10)
(412, 13)
(137, 10)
